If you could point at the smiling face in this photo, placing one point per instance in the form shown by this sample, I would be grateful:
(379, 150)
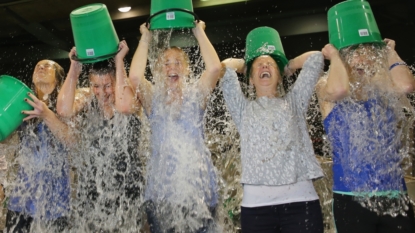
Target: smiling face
(265, 75)
(174, 67)
(44, 73)
(103, 88)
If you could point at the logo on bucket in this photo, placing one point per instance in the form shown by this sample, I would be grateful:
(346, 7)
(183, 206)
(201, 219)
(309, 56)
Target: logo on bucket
(271, 48)
(170, 16)
(363, 32)
(90, 52)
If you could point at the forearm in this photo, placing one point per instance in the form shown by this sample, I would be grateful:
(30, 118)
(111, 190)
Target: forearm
(60, 130)
(211, 59)
(66, 96)
(234, 98)
(139, 63)
(208, 52)
(402, 77)
(124, 95)
(337, 86)
(236, 64)
(298, 62)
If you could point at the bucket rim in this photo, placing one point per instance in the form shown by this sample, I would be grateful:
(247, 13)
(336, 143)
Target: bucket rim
(18, 80)
(94, 59)
(74, 14)
(169, 10)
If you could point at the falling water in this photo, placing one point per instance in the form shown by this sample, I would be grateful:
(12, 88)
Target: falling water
(109, 163)
(377, 131)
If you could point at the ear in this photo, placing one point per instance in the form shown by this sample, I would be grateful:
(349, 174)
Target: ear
(251, 81)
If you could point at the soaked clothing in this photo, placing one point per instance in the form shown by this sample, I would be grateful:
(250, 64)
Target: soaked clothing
(368, 183)
(21, 223)
(110, 176)
(365, 145)
(181, 178)
(275, 145)
(42, 186)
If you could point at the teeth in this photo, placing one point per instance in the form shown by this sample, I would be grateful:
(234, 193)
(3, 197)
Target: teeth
(265, 75)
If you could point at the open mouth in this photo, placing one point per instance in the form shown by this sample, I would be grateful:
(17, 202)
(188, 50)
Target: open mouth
(360, 71)
(174, 77)
(265, 75)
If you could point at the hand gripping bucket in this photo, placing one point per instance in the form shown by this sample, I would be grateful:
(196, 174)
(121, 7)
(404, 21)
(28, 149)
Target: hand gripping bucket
(166, 14)
(351, 23)
(13, 92)
(264, 41)
(94, 34)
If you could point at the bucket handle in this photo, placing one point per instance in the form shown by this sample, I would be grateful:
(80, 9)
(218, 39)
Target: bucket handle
(169, 10)
(75, 58)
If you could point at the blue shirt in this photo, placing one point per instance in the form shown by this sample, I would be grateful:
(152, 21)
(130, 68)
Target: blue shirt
(365, 141)
(42, 185)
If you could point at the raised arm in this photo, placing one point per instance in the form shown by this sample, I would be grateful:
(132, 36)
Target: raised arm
(401, 75)
(304, 85)
(213, 66)
(336, 86)
(66, 105)
(237, 64)
(297, 63)
(124, 94)
(139, 83)
(234, 97)
(60, 130)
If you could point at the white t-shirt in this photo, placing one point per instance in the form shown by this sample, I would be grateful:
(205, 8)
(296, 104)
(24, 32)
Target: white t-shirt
(263, 195)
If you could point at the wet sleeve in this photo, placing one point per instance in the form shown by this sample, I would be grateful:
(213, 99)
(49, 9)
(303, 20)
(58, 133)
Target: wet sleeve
(304, 86)
(234, 97)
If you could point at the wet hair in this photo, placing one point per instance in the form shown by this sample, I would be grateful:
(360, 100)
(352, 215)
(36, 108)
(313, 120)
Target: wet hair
(106, 67)
(102, 68)
(374, 52)
(370, 47)
(59, 75)
(183, 53)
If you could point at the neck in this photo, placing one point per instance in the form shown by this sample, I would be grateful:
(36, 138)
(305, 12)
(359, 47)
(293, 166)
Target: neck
(267, 92)
(44, 89)
(108, 111)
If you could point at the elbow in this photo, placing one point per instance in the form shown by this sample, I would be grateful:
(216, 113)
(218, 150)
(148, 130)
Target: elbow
(215, 69)
(338, 94)
(61, 111)
(408, 88)
(125, 108)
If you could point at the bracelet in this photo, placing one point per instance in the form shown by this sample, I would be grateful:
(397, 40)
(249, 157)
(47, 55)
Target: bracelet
(397, 64)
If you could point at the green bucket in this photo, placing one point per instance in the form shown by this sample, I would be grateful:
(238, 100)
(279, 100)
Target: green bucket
(166, 14)
(264, 41)
(94, 34)
(13, 92)
(351, 23)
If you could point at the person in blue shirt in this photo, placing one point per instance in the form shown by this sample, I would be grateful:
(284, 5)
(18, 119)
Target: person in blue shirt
(40, 193)
(361, 103)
